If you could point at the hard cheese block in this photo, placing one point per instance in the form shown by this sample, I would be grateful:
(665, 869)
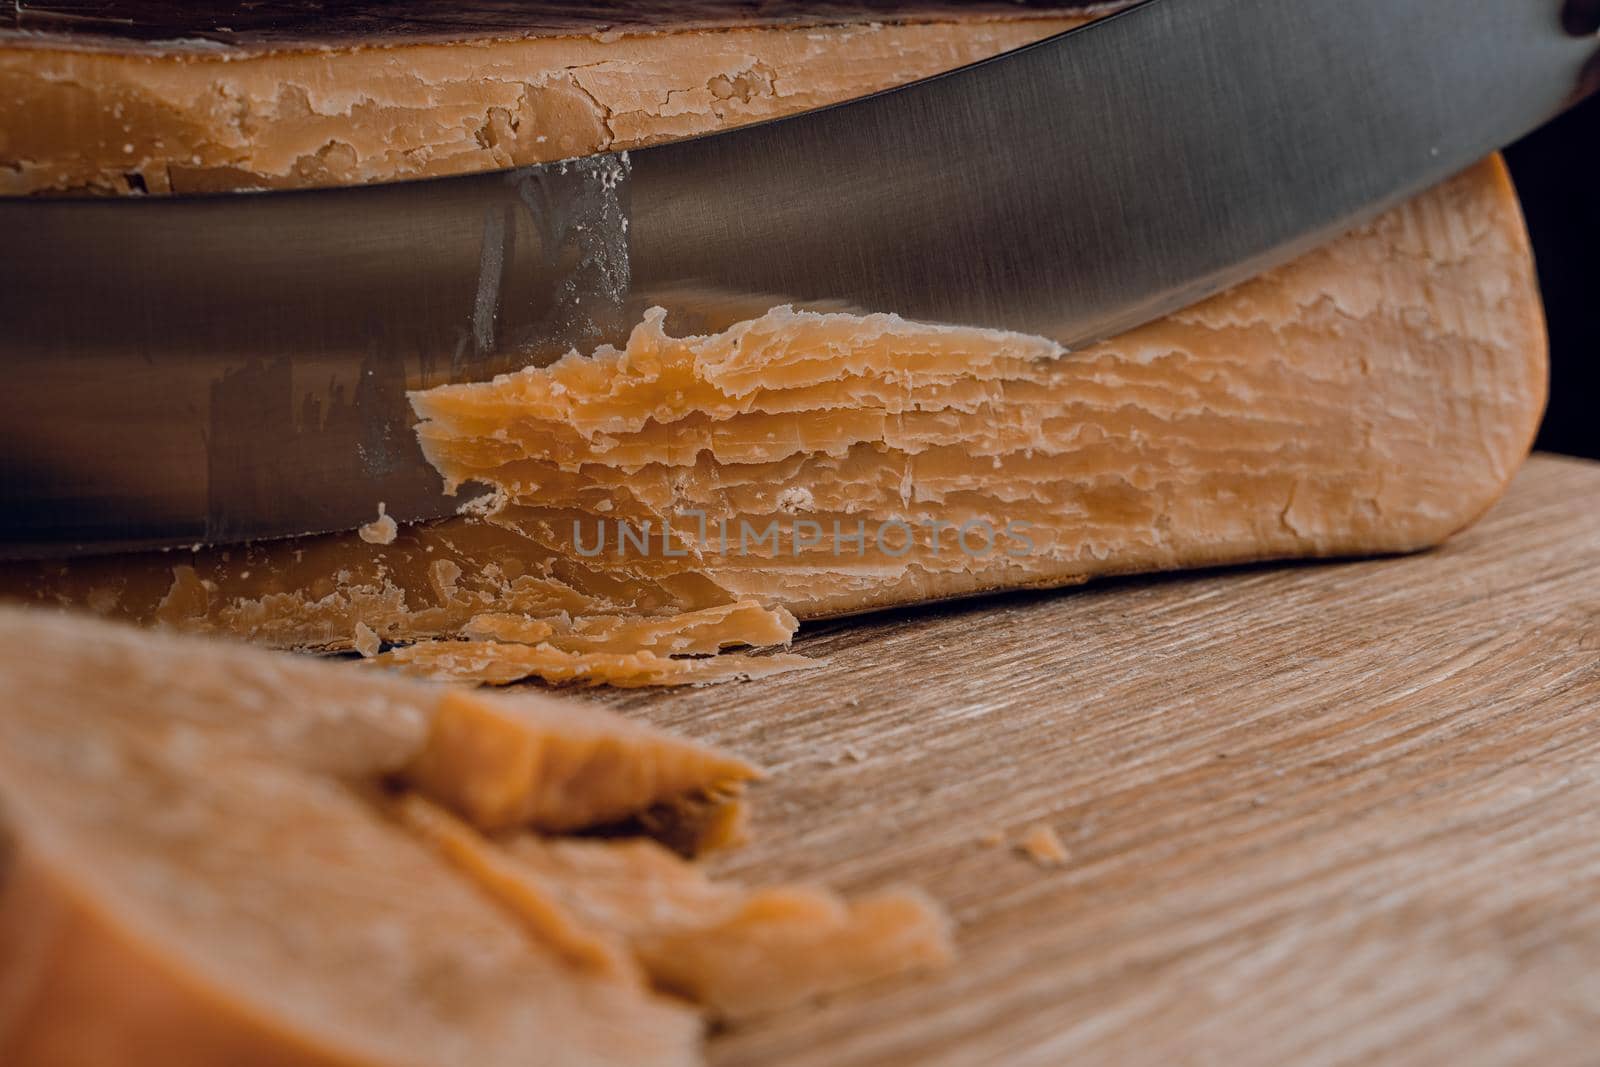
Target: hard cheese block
(214, 854)
(1374, 396)
(86, 105)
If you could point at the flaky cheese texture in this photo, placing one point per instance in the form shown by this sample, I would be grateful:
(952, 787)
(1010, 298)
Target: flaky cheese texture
(212, 854)
(170, 119)
(682, 495)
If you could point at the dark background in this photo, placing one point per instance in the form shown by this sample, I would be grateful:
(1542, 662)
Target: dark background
(1557, 171)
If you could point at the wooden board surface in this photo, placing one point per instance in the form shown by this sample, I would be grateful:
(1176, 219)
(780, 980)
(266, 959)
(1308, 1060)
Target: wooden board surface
(1317, 814)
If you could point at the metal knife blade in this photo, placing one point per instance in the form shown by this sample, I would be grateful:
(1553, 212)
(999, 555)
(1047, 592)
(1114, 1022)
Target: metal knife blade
(223, 368)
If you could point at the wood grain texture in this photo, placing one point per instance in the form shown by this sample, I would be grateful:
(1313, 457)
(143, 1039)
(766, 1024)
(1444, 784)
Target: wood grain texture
(1317, 814)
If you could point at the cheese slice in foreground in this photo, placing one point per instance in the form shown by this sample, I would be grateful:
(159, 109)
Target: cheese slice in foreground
(206, 857)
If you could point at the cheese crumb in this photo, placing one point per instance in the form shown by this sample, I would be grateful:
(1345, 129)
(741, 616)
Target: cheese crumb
(366, 640)
(380, 531)
(795, 499)
(1041, 845)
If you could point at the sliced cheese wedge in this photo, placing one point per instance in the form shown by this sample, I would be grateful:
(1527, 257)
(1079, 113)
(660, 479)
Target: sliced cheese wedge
(1374, 396)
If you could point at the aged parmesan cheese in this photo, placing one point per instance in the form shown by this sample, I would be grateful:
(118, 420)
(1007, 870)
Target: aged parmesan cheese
(198, 875)
(703, 632)
(366, 640)
(697, 823)
(164, 118)
(1373, 397)
(687, 493)
(736, 951)
(499, 663)
(379, 531)
(555, 767)
(676, 649)
(1041, 844)
(204, 860)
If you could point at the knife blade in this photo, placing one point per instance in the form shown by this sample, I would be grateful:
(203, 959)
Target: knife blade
(232, 367)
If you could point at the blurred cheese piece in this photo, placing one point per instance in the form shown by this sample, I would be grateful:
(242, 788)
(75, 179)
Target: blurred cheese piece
(712, 942)
(206, 857)
(565, 769)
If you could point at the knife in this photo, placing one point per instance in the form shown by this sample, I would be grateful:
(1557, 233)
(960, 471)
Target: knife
(222, 368)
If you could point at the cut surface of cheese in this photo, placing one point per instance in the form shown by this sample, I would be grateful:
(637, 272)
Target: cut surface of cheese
(1374, 396)
(172, 116)
(686, 493)
(202, 862)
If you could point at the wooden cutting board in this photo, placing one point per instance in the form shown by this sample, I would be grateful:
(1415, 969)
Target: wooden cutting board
(1316, 814)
